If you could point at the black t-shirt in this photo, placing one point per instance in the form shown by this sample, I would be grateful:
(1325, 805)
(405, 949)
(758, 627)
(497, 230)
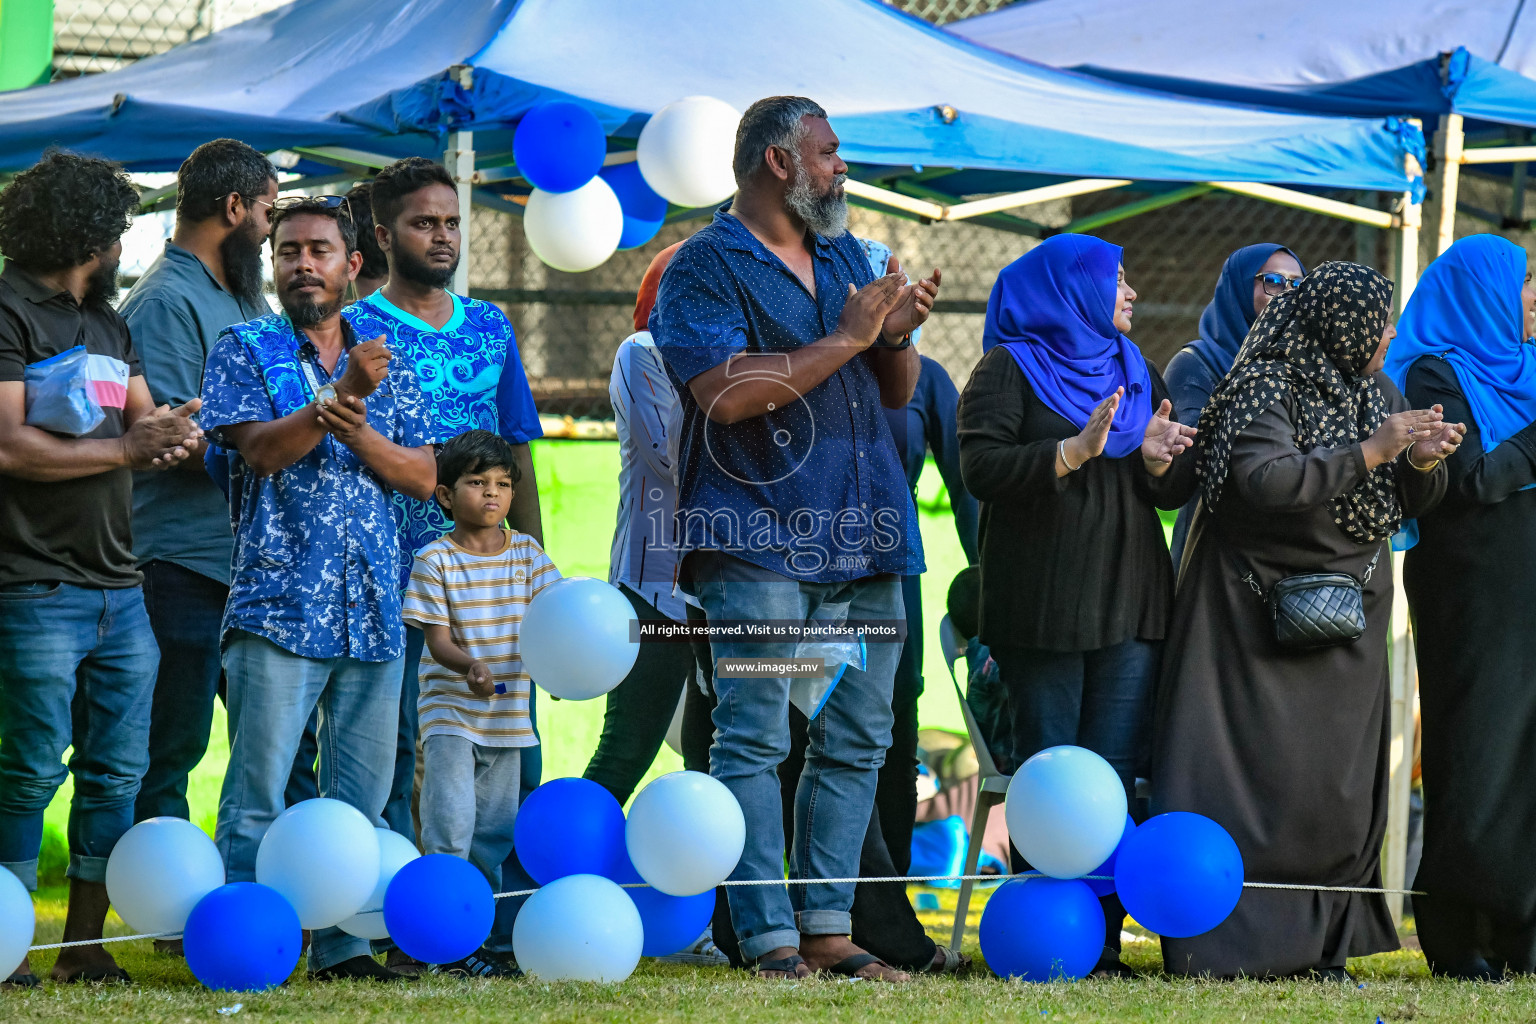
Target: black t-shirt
(74, 531)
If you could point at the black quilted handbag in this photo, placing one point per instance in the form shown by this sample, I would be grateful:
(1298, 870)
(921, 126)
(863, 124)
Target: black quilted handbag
(1322, 609)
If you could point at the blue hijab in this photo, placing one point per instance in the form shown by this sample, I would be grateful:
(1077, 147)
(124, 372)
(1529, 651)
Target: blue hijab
(1230, 316)
(1466, 309)
(1053, 309)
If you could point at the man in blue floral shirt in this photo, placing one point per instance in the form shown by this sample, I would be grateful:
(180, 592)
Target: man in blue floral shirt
(323, 429)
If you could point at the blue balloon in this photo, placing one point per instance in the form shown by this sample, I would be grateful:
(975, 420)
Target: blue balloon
(243, 937)
(1103, 886)
(1042, 929)
(1179, 874)
(671, 923)
(559, 146)
(644, 210)
(439, 908)
(570, 827)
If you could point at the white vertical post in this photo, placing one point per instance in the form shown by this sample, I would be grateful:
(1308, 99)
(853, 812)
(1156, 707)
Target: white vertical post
(1406, 269)
(1448, 146)
(1404, 684)
(460, 162)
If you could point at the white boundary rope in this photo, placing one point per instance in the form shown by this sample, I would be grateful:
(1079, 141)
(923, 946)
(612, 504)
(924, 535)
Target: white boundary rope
(904, 879)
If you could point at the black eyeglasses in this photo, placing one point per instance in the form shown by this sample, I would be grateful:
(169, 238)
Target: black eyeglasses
(1275, 283)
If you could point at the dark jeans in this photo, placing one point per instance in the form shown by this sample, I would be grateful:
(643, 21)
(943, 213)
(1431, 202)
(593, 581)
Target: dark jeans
(77, 667)
(1101, 700)
(186, 611)
(640, 708)
(397, 812)
(896, 794)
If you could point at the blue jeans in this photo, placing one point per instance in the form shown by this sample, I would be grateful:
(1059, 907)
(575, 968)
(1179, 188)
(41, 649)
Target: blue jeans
(397, 812)
(186, 612)
(847, 745)
(1099, 699)
(61, 645)
(272, 693)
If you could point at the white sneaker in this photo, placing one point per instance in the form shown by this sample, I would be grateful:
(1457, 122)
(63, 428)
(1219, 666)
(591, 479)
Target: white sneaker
(703, 952)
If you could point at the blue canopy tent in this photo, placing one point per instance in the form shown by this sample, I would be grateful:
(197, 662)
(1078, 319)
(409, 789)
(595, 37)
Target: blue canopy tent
(1446, 60)
(948, 120)
(927, 119)
(275, 81)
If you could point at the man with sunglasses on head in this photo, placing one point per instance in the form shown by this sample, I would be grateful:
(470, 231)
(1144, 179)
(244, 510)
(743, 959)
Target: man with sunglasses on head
(323, 430)
(208, 277)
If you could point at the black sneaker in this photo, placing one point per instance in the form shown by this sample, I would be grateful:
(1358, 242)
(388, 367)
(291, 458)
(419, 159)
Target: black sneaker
(482, 963)
(358, 968)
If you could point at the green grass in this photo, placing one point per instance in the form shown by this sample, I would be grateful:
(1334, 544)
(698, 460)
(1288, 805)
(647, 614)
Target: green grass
(1396, 987)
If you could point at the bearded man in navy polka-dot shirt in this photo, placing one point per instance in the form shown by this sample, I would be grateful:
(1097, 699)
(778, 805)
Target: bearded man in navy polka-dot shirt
(794, 509)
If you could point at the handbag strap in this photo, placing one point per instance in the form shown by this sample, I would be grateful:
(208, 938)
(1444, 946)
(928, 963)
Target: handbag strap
(1251, 578)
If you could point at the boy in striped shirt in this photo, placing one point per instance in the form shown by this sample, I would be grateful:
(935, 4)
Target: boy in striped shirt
(467, 593)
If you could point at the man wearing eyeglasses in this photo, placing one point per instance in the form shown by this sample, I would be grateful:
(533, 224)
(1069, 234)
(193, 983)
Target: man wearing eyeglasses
(324, 430)
(208, 277)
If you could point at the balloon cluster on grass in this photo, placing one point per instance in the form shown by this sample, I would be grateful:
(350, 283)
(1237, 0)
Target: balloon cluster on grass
(1177, 874)
(684, 836)
(581, 212)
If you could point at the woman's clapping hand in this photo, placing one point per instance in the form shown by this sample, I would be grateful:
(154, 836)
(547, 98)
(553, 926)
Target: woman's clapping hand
(1164, 439)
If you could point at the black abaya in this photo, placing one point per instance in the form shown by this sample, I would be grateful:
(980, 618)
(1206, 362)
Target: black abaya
(1472, 583)
(1286, 750)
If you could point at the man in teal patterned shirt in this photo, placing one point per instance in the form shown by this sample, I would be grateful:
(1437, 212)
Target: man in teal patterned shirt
(465, 356)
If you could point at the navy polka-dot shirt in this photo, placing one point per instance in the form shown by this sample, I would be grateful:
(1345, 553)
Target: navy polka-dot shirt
(813, 489)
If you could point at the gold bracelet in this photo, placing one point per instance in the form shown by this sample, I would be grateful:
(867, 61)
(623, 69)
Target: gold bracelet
(1423, 469)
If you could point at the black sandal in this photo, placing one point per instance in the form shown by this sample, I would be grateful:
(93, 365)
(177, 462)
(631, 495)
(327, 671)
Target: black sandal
(849, 967)
(21, 981)
(788, 966)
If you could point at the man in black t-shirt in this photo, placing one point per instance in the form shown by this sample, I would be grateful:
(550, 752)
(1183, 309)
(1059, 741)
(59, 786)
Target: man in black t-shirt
(72, 622)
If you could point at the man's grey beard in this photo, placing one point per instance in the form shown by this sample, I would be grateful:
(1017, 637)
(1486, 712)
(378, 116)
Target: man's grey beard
(826, 214)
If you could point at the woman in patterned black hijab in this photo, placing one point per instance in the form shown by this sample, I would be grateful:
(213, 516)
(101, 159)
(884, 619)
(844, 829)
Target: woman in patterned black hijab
(1319, 345)
(1308, 459)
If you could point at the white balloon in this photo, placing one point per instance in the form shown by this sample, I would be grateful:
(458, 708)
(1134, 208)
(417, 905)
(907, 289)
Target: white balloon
(686, 148)
(395, 852)
(1066, 811)
(18, 921)
(578, 928)
(574, 639)
(323, 857)
(685, 833)
(158, 871)
(574, 231)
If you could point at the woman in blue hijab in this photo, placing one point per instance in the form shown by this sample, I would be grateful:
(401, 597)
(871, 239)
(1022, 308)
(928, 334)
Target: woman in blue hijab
(1463, 343)
(1250, 277)
(1067, 438)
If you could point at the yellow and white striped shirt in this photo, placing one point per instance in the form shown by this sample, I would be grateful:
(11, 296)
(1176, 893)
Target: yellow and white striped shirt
(481, 599)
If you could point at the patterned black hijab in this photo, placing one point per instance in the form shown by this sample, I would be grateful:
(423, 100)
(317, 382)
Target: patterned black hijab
(1312, 343)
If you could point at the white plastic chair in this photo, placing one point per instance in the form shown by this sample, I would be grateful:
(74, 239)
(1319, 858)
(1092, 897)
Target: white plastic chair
(993, 784)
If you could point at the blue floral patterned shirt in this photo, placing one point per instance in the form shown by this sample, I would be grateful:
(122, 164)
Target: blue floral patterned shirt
(317, 557)
(472, 379)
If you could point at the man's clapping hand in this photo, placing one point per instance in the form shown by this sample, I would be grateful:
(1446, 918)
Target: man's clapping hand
(164, 437)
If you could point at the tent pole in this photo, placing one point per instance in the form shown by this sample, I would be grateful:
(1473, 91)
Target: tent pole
(1449, 139)
(460, 162)
(1406, 270)
(1404, 673)
(1307, 201)
(1405, 682)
